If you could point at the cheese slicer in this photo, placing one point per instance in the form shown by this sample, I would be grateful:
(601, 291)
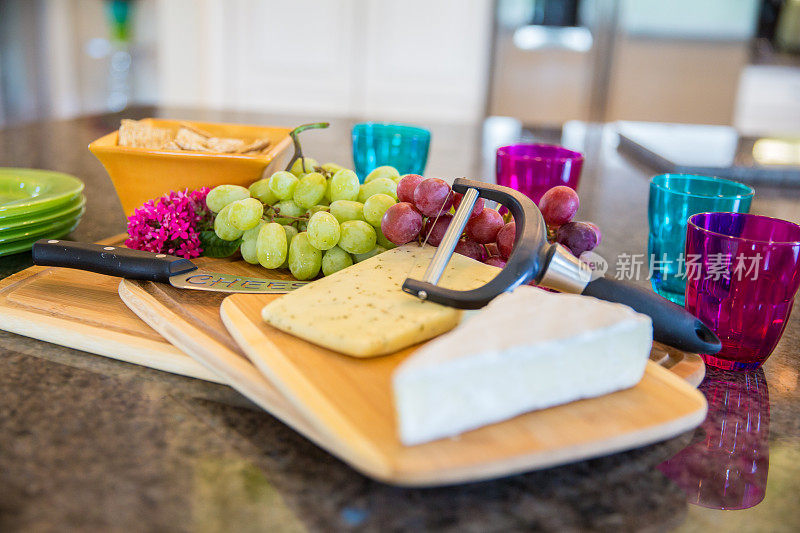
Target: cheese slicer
(552, 266)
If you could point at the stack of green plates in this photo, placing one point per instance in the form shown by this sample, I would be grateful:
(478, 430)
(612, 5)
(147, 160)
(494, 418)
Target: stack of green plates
(37, 204)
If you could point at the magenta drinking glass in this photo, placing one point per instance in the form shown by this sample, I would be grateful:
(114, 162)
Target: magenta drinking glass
(532, 169)
(742, 274)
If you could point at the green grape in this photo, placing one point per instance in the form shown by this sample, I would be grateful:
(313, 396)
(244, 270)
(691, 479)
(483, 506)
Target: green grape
(304, 260)
(357, 237)
(325, 202)
(282, 184)
(397, 179)
(344, 185)
(304, 165)
(260, 189)
(222, 195)
(249, 248)
(375, 251)
(377, 186)
(383, 241)
(291, 233)
(323, 230)
(223, 227)
(245, 214)
(345, 210)
(332, 168)
(310, 190)
(316, 209)
(271, 245)
(335, 260)
(287, 208)
(382, 172)
(375, 206)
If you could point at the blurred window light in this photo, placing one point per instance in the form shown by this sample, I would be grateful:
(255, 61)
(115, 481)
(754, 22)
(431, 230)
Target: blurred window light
(576, 39)
(777, 151)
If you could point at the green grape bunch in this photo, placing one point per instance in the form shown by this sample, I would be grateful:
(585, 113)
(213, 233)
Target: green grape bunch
(312, 219)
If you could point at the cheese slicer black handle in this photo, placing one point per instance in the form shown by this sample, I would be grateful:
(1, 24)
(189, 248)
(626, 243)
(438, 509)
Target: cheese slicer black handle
(672, 324)
(109, 260)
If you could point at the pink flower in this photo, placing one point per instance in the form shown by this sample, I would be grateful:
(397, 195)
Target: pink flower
(170, 224)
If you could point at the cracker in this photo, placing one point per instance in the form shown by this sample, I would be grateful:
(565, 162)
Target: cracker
(224, 145)
(139, 134)
(256, 146)
(190, 140)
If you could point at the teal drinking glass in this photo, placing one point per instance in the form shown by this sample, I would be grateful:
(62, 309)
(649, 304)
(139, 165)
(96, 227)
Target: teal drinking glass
(378, 143)
(673, 199)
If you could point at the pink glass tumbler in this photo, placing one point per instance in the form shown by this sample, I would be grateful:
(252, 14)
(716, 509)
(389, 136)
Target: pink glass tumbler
(742, 274)
(532, 169)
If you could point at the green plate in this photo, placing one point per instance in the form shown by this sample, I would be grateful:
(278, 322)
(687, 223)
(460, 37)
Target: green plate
(26, 244)
(41, 231)
(25, 190)
(35, 214)
(50, 215)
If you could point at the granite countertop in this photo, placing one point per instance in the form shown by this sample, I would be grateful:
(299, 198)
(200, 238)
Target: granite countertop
(92, 444)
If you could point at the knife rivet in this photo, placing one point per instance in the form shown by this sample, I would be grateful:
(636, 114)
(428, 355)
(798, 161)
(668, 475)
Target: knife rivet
(161, 256)
(108, 248)
(52, 241)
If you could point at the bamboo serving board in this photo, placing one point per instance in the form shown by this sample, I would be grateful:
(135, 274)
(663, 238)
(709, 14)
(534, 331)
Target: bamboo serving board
(82, 310)
(191, 321)
(348, 402)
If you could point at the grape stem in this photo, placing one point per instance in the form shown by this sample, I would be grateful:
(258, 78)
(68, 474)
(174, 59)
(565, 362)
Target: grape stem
(298, 149)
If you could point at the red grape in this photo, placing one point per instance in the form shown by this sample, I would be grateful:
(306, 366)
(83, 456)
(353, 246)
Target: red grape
(470, 249)
(579, 237)
(597, 231)
(440, 226)
(433, 196)
(401, 223)
(484, 227)
(476, 210)
(406, 186)
(558, 205)
(495, 261)
(505, 239)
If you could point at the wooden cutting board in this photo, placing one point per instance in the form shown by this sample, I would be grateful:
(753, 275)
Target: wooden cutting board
(82, 310)
(348, 402)
(191, 321)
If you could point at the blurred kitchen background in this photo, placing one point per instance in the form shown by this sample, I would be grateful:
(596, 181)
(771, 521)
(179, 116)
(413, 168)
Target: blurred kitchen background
(544, 62)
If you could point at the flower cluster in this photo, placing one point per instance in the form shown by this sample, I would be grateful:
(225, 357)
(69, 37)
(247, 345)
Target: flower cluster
(170, 224)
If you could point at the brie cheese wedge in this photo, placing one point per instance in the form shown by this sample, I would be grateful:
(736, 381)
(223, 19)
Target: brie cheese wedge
(528, 349)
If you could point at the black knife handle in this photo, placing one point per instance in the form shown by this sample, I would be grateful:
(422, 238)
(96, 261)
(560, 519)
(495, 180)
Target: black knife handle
(109, 260)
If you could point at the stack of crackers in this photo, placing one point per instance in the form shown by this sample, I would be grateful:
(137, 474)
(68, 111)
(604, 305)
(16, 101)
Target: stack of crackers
(140, 134)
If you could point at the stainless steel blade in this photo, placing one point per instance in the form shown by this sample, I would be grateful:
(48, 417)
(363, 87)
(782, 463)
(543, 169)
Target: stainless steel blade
(214, 281)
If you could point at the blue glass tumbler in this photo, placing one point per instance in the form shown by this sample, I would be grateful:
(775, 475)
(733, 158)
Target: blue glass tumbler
(673, 199)
(378, 143)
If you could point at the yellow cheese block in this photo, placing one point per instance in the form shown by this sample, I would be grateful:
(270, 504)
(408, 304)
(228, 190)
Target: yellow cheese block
(362, 310)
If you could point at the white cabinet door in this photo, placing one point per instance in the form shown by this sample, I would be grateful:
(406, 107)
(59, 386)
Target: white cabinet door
(410, 59)
(427, 59)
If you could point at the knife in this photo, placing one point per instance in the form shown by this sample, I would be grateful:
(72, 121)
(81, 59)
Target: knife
(148, 266)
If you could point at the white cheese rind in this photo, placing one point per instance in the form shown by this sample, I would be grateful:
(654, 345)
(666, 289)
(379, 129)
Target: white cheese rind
(362, 310)
(527, 350)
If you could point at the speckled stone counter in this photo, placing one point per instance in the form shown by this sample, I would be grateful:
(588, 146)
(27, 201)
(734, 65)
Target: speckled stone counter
(92, 444)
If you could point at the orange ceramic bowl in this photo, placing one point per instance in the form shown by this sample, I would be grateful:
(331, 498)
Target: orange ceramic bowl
(140, 174)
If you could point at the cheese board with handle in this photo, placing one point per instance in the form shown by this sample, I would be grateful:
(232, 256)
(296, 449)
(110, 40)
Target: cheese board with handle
(82, 310)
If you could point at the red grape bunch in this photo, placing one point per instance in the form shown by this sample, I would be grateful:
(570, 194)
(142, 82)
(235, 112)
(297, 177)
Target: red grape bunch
(558, 206)
(486, 237)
